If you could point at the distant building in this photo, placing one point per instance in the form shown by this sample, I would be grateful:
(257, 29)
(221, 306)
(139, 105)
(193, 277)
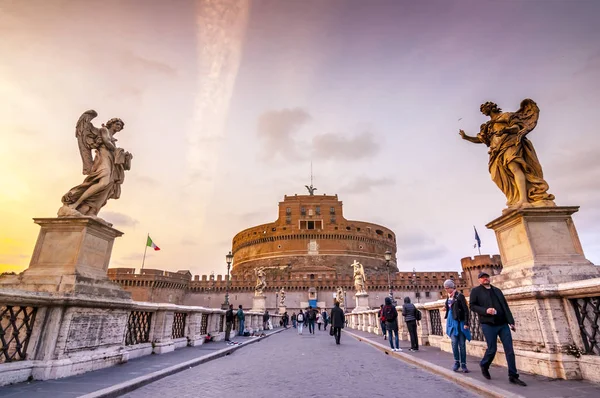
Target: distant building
(307, 251)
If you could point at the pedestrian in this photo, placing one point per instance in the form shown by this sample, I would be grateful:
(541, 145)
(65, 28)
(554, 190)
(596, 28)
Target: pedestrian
(390, 314)
(266, 318)
(319, 320)
(286, 319)
(410, 314)
(301, 319)
(325, 318)
(496, 321)
(457, 324)
(294, 320)
(382, 321)
(241, 318)
(311, 315)
(228, 322)
(337, 321)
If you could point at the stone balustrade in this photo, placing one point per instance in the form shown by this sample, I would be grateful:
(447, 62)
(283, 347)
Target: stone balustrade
(557, 329)
(45, 336)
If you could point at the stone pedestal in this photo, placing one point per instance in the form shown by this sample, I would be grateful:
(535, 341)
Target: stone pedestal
(282, 310)
(71, 256)
(259, 304)
(540, 246)
(362, 302)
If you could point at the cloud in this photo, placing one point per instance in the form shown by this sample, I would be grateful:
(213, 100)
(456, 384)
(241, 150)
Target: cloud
(340, 147)
(119, 219)
(147, 181)
(276, 129)
(365, 184)
(413, 239)
(421, 254)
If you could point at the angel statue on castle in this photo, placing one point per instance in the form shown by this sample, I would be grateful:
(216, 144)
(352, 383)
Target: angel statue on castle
(105, 171)
(513, 163)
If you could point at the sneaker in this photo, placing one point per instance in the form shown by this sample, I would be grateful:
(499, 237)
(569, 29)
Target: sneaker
(456, 367)
(517, 381)
(411, 350)
(463, 368)
(399, 349)
(486, 373)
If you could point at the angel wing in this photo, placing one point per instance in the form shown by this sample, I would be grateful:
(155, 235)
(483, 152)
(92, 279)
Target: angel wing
(526, 117)
(86, 135)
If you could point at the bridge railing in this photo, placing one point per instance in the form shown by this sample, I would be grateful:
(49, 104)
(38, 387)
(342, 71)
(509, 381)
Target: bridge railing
(556, 324)
(44, 336)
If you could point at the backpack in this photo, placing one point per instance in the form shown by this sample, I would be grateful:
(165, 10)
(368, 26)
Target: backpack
(417, 314)
(300, 317)
(389, 313)
(311, 315)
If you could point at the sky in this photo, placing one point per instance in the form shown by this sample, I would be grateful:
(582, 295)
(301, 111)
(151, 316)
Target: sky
(227, 103)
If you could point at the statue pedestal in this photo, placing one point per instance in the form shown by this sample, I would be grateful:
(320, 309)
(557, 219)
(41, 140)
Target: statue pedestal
(259, 304)
(540, 246)
(282, 310)
(71, 256)
(362, 302)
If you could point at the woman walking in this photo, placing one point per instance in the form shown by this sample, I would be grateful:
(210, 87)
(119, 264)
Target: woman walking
(390, 315)
(457, 325)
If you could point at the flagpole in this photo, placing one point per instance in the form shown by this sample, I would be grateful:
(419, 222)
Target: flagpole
(145, 248)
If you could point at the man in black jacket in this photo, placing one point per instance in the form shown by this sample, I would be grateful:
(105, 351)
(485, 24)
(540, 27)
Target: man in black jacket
(337, 321)
(496, 321)
(228, 322)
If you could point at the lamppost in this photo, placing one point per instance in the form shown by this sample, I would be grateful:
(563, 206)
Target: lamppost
(229, 260)
(414, 282)
(388, 257)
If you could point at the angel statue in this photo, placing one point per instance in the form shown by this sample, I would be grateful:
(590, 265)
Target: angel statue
(513, 163)
(339, 296)
(105, 171)
(359, 277)
(311, 189)
(282, 298)
(261, 282)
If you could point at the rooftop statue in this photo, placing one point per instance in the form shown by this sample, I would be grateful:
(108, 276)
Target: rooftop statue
(513, 163)
(105, 171)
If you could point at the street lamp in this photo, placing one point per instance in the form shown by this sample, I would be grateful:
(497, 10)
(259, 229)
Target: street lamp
(388, 257)
(229, 260)
(414, 281)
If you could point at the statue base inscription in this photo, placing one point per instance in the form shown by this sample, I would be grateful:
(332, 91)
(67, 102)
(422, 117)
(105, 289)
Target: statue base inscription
(540, 245)
(71, 256)
(362, 302)
(259, 304)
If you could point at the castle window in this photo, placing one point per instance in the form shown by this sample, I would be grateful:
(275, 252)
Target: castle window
(332, 220)
(273, 229)
(288, 211)
(303, 211)
(357, 229)
(288, 220)
(348, 228)
(332, 210)
(427, 294)
(418, 294)
(312, 276)
(379, 232)
(311, 225)
(318, 210)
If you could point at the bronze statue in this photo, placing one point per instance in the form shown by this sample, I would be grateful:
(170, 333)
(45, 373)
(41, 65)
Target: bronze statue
(513, 164)
(311, 190)
(105, 171)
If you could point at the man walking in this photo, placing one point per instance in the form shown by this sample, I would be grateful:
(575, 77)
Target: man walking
(266, 317)
(300, 319)
(325, 318)
(228, 322)
(311, 315)
(241, 318)
(337, 321)
(496, 321)
(409, 312)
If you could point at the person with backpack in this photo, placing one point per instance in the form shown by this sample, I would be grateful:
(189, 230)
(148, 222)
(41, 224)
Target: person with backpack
(325, 318)
(411, 315)
(241, 318)
(266, 318)
(300, 318)
(457, 324)
(294, 320)
(311, 315)
(382, 321)
(228, 322)
(390, 315)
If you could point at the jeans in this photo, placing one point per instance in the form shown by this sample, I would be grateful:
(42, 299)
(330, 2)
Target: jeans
(459, 348)
(395, 331)
(319, 325)
(325, 325)
(337, 332)
(383, 328)
(412, 331)
(294, 323)
(228, 330)
(311, 327)
(491, 333)
(300, 327)
(241, 328)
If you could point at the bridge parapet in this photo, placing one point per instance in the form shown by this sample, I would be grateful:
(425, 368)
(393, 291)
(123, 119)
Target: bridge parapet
(50, 336)
(557, 329)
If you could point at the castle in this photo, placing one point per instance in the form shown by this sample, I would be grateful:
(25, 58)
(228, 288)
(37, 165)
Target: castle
(307, 252)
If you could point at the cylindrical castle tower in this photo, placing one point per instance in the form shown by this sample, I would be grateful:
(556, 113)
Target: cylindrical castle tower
(473, 266)
(312, 234)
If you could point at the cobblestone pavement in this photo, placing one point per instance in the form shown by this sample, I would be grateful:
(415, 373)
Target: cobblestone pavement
(308, 366)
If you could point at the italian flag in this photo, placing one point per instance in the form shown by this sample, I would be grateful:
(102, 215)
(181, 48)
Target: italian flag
(151, 244)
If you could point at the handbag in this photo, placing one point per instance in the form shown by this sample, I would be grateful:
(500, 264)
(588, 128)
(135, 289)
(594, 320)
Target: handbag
(331, 330)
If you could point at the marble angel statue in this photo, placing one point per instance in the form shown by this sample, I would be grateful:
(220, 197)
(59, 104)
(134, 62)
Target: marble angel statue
(104, 164)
